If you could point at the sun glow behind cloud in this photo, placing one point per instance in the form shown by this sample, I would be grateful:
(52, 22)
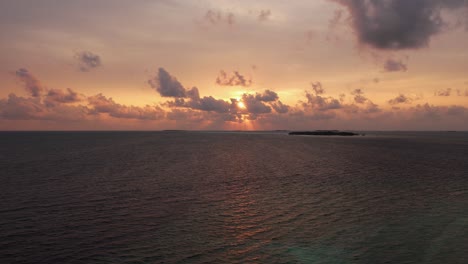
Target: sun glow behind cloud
(264, 54)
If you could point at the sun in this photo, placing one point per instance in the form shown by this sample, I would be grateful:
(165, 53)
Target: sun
(241, 104)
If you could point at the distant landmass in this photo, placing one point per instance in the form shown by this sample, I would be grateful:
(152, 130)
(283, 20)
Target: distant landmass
(323, 133)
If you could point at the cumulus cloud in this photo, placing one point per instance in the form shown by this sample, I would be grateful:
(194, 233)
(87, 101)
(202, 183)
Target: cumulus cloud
(233, 79)
(209, 103)
(32, 85)
(267, 96)
(190, 110)
(15, 107)
(55, 96)
(371, 108)
(102, 104)
(206, 103)
(262, 103)
(361, 104)
(320, 103)
(392, 65)
(167, 85)
(400, 99)
(451, 92)
(66, 105)
(443, 92)
(280, 108)
(255, 105)
(317, 87)
(359, 97)
(20, 108)
(217, 17)
(87, 60)
(398, 24)
(434, 113)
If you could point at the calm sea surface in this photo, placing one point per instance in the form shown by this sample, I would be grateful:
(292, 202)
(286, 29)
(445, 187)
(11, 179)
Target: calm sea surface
(211, 197)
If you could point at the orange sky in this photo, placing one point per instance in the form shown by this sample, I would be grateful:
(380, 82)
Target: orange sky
(325, 64)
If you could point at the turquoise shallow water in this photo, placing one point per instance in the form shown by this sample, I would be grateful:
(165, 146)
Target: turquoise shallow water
(209, 197)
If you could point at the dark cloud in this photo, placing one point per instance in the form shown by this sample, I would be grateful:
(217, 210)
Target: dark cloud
(233, 79)
(280, 108)
(20, 108)
(52, 96)
(398, 24)
(342, 97)
(449, 92)
(190, 110)
(317, 87)
(443, 92)
(167, 85)
(392, 65)
(102, 104)
(400, 99)
(48, 106)
(361, 104)
(461, 93)
(262, 103)
(191, 99)
(437, 113)
(264, 15)
(55, 96)
(359, 97)
(64, 105)
(427, 111)
(31, 84)
(207, 103)
(255, 105)
(267, 96)
(88, 60)
(317, 102)
(218, 17)
(371, 108)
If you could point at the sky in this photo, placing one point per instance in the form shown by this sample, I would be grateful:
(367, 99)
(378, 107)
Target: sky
(233, 65)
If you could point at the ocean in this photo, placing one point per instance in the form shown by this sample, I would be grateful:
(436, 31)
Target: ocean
(233, 197)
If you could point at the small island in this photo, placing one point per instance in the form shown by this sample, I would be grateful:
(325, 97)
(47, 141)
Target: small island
(323, 133)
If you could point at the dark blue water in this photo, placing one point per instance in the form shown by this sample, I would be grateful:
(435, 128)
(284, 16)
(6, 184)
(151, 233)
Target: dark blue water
(200, 197)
